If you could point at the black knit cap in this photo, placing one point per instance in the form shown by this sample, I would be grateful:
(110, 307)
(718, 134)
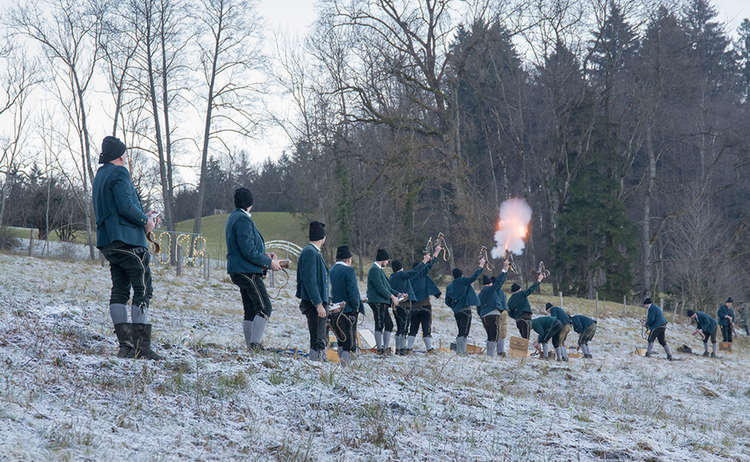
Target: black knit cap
(515, 287)
(317, 231)
(112, 148)
(396, 266)
(382, 255)
(457, 273)
(729, 300)
(486, 280)
(647, 301)
(342, 252)
(690, 313)
(243, 198)
(547, 306)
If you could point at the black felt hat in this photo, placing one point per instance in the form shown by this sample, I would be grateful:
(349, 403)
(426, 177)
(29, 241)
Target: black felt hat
(457, 273)
(690, 313)
(647, 301)
(396, 266)
(547, 306)
(317, 231)
(515, 287)
(729, 300)
(486, 280)
(342, 252)
(243, 198)
(112, 148)
(382, 255)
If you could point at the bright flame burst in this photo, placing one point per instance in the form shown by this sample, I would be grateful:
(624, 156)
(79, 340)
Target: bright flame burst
(512, 228)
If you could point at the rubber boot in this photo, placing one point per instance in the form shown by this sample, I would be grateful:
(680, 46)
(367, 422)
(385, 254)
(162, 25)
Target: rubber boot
(669, 353)
(649, 349)
(545, 350)
(428, 344)
(705, 349)
(501, 347)
(259, 325)
(491, 348)
(142, 340)
(124, 332)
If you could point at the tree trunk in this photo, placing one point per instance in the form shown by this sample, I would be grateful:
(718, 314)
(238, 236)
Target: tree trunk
(646, 235)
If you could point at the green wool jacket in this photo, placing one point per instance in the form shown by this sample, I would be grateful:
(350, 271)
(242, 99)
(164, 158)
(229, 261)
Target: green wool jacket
(518, 303)
(344, 288)
(119, 216)
(312, 276)
(379, 290)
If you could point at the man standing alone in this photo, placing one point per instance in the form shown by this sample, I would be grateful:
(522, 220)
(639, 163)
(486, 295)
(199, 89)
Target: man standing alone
(121, 227)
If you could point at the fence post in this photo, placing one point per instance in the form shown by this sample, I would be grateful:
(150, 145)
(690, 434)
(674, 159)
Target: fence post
(625, 304)
(561, 299)
(179, 260)
(31, 240)
(597, 302)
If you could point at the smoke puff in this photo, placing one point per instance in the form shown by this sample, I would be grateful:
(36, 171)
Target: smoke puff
(513, 222)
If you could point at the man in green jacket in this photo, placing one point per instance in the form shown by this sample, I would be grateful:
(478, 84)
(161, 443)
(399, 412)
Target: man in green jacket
(247, 263)
(313, 291)
(548, 329)
(380, 296)
(344, 290)
(121, 227)
(519, 307)
(725, 316)
(706, 327)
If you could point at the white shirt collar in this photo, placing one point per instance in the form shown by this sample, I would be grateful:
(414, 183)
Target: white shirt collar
(377, 264)
(316, 247)
(247, 213)
(341, 263)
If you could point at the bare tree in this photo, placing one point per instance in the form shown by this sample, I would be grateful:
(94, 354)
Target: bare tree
(231, 62)
(69, 33)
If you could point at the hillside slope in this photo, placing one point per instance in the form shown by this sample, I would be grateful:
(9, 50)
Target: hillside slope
(63, 394)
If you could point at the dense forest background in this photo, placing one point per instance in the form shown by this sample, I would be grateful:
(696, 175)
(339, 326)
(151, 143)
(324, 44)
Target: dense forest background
(624, 124)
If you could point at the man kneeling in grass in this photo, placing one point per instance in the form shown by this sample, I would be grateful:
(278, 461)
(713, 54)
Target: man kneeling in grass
(707, 328)
(548, 329)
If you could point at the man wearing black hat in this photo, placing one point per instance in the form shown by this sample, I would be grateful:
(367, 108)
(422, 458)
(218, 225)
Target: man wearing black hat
(312, 290)
(519, 307)
(493, 310)
(380, 295)
(656, 324)
(547, 328)
(706, 327)
(121, 227)
(344, 289)
(460, 297)
(586, 329)
(726, 319)
(247, 263)
(400, 281)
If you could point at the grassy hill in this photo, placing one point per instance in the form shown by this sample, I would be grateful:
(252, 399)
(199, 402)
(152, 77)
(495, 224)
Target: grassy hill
(272, 225)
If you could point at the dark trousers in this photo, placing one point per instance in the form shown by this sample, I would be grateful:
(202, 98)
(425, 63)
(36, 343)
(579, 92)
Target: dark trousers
(316, 325)
(420, 316)
(402, 312)
(255, 300)
(383, 321)
(491, 326)
(463, 321)
(129, 267)
(726, 332)
(709, 336)
(553, 333)
(658, 334)
(524, 325)
(344, 327)
(587, 334)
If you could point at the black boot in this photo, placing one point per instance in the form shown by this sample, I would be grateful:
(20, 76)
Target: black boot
(124, 332)
(142, 338)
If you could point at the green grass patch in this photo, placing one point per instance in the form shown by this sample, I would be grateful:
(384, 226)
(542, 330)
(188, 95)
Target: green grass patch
(272, 225)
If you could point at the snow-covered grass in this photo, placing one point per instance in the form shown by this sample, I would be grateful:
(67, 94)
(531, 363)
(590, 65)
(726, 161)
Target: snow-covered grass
(64, 395)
